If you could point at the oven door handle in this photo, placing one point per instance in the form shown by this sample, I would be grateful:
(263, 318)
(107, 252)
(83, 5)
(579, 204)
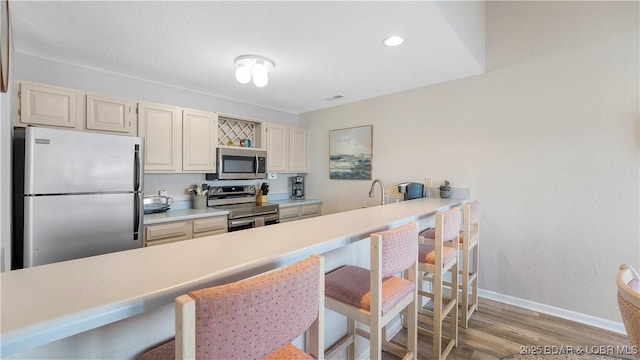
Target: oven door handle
(266, 213)
(241, 222)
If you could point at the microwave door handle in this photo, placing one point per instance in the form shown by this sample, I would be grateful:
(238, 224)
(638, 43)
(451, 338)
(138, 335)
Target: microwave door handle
(257, 165)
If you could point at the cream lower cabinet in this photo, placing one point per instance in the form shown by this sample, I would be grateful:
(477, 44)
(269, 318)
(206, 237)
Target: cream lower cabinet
(161, 128)
(209, 226)
(297, 212)
(287, 149)
(184, 230)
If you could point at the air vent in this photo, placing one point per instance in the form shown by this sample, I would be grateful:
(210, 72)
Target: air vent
(334, 98)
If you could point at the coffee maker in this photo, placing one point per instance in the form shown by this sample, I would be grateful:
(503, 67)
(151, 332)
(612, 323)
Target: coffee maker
(297, 187)
(411, 190)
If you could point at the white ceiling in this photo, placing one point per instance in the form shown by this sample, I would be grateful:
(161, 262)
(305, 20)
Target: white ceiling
(321, 49)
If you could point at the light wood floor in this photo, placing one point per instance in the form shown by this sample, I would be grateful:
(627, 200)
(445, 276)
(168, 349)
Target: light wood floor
(498, 330)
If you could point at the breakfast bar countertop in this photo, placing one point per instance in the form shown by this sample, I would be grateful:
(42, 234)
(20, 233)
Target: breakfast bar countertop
(51, 302)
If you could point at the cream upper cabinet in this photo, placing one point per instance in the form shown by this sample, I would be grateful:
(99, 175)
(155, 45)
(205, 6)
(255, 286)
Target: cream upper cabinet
(161, 128)
(286, 149)
(298, 150)
(199, 137)
(277, 144)
(47, 105)
(111, 114)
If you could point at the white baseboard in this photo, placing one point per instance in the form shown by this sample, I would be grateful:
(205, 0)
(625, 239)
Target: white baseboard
(604, 324)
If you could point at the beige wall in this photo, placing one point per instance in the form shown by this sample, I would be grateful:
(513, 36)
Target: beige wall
(547, 140)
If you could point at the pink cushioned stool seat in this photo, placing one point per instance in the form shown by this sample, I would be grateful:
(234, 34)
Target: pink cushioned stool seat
(427, 254)
(289, 352)
(350, 284)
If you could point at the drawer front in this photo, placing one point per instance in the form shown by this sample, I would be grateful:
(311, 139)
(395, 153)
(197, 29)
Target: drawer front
(162, 242)
(289, 213)
(180, 230)
(310, 210)
(216, 225)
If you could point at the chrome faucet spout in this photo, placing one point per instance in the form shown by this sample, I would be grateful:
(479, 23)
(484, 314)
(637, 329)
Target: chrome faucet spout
(372, 193)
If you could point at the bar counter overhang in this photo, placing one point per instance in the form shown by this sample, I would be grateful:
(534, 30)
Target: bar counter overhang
(43, 304)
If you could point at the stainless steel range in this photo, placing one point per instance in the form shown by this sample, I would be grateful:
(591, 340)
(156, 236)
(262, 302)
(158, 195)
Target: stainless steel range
(240, 202)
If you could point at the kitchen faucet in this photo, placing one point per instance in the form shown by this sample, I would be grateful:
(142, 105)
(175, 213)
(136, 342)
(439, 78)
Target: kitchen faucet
(372, 193)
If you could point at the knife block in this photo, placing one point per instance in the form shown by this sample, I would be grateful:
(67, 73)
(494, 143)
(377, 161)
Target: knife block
(261, 199)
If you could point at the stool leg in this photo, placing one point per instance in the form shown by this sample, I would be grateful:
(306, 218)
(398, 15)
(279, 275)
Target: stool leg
(437, 315)
(375, 338)
(465, 287)
(474, 291)
(351, 331)
(454, 297)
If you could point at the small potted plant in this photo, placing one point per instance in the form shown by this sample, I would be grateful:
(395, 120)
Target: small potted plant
(445, 190)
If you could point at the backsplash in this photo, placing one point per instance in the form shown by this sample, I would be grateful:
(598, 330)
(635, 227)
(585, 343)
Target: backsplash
(176, 185)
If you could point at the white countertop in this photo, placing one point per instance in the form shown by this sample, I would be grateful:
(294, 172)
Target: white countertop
(190, 214)
(291, 202)
(51, 302)
(181, 214)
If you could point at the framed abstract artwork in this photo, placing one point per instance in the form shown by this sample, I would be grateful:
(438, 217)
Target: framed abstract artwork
(350, 153)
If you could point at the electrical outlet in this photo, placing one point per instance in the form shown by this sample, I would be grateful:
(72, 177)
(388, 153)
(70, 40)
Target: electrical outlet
(272, 176)
(163, 193)
(427, 182)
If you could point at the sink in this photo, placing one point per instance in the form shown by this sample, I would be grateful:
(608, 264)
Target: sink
(387, 200)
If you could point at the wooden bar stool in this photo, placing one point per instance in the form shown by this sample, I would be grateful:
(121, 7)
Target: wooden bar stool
(256, 318)
(470, 259)
(628, 283)
(436, 259)
(374, 297)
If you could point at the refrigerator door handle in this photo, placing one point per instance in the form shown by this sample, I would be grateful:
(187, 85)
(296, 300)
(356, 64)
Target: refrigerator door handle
(136, 168)
(136, 215)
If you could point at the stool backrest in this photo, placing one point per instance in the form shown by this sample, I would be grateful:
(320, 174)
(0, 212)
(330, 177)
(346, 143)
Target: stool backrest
(474, 212)
(629, 301)
(452, 220)
(252, 318)
(399, 248)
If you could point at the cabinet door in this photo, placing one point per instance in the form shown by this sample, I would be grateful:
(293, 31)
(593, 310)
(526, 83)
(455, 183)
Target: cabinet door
(209, 226)
(298, 150)
(111, 114)
(311, 210)
(277, 144)
(289, 213)
(167, 233)
(199, 137)
(161, 128)
(48, 105)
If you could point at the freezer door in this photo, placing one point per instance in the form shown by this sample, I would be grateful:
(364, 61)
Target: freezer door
(63, 162)
(59, 228)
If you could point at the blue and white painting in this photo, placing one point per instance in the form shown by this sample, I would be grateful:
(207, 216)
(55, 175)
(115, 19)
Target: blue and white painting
(350, 153)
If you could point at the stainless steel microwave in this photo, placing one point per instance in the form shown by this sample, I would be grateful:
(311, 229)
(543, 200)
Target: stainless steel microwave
(239, 164)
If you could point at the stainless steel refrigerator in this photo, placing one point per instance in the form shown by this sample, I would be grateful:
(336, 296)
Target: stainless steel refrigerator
(76, 194)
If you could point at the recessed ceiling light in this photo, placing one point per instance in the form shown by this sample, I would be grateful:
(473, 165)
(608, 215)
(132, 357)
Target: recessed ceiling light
(393, 40)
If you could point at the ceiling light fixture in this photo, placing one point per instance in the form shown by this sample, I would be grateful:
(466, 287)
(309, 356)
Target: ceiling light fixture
(253, 66)
(393, 40)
